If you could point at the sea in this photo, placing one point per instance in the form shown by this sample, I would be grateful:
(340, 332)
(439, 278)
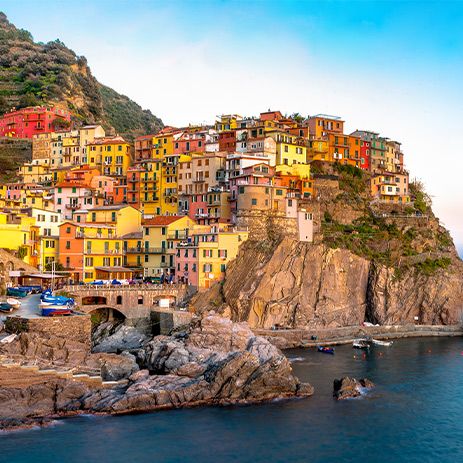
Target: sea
(414, 414)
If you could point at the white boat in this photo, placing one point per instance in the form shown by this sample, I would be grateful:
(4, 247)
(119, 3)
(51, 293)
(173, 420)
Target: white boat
(360, 344)
(378, 342)
(14, 302)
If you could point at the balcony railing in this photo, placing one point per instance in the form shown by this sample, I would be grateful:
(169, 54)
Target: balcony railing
(180, 235)
(145, 250)
(73, 206)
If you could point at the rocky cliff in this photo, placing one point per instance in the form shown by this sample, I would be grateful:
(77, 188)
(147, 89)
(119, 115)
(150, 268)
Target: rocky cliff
(302, 285)
(212, 362)
(370, 262)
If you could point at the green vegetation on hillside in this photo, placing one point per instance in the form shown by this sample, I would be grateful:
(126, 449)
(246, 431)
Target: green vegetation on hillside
(37, 73)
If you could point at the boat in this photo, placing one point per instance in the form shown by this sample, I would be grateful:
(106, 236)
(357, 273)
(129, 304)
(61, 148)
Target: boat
(360, 344)
(56, 310)
(14, 302)
(47, 298)
(326, 350)
(5, 307)
(31, 288)
(16, 292)
(378, 342)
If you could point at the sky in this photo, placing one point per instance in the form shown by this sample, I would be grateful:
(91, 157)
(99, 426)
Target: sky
(390, 66)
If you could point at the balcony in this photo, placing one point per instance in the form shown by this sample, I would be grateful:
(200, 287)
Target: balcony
(199, 180)
(73, 206)
(181, 235)
(145, 250)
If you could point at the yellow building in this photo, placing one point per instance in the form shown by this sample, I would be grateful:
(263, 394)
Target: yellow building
(133, 251)
(71, 149)
(124, 218)
(160, 235)
(19, 233)
(202, 260)
(290, 149)
(390, 187)
(227, 122)
(111, 155)
(48, 224)
(88, 134)
(32, 172)
(149, 183)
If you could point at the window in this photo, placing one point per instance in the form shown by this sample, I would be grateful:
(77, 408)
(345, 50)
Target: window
(140, 300)
(279, 192)
(254, 201)
(68, 245)
(163, 230)
(223, 267)
(119, 300)
(89, 261)
(113, 216)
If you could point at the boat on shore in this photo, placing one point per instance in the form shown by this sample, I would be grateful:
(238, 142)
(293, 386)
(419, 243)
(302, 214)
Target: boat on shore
(14, 302)
(16, 292)
(5, 307)
(326, 350)
(360, 344)
(55, 310)
(378, 342)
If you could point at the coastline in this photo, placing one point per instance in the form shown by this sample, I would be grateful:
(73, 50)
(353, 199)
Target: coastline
(293, 338)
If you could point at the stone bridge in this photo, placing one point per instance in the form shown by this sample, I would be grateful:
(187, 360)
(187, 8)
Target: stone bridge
(131, 301)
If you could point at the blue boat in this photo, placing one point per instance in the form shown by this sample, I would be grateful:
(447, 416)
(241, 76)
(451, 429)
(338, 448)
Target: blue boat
(16, 292)
(31, 288)
(47, 298)
(5, 307)
(326, 350)
(53, 311)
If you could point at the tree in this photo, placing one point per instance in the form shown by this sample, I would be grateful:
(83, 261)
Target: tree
(59, 267)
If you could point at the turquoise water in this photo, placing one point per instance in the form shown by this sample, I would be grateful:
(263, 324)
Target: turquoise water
(414, 415)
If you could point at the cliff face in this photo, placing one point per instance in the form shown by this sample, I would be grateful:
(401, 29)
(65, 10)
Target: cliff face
(304, 285)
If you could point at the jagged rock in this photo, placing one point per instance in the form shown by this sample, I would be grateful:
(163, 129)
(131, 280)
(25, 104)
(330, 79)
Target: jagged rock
(114, 368)
(305, 285)
(122, 338)
(347, 388)
(214, 361)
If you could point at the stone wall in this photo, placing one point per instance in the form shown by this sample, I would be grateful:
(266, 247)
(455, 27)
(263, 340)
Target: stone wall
(287, 339)
(267, 224)
(76, 327)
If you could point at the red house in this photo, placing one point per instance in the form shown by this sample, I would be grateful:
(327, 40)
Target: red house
(227, 141)
(365, 155)
(27, 122)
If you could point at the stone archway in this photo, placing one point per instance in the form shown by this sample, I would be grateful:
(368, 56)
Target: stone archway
(94, 300)
(105, 314)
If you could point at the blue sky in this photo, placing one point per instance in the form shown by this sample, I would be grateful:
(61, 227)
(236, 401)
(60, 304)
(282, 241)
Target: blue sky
(392, 66)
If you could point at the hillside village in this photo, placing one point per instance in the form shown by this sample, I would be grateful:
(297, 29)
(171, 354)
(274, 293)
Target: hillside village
(175, 206)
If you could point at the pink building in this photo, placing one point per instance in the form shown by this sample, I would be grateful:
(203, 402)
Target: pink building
(71, 197)
(186, 263)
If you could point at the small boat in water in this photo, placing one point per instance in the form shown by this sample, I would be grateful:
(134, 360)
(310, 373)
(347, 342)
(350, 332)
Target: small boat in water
(326, 350)
(16, 292)
(14, 302)
(378, 342)
(5, 307)
(360, 344)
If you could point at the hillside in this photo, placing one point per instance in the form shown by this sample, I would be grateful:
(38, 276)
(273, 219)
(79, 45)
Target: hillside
(369, 262)
(34, 73)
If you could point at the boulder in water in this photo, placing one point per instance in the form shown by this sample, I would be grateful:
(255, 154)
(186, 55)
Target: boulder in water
(347, 388)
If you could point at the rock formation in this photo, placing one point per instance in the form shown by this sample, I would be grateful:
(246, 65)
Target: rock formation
(348, 388)
(300, 285)
(303, 285)
(214, 361)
